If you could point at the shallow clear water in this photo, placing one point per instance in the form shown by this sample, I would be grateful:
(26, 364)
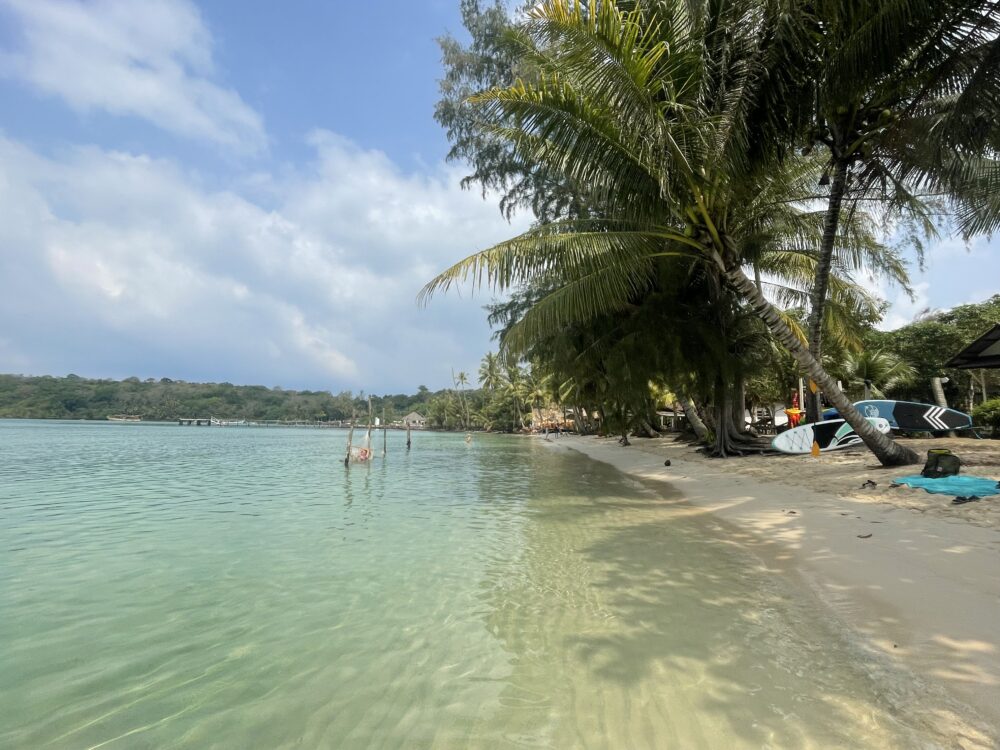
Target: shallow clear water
(183, 587)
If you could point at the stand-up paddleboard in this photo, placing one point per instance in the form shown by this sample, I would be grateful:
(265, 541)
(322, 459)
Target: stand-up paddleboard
(907, 416)
(829, 436)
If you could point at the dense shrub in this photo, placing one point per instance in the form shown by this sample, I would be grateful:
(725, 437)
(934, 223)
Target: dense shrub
(988, 414)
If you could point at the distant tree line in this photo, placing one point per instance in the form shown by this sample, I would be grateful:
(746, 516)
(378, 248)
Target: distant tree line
(897, 364)
(74, 397)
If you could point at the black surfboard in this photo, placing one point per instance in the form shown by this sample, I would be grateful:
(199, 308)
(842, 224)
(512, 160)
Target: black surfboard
(907, 416)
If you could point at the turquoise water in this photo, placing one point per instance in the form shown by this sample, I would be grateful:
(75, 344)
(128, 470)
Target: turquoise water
(181, 587)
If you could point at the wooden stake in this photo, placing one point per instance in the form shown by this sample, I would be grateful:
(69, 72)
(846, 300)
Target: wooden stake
(368, 432)
(350, 439)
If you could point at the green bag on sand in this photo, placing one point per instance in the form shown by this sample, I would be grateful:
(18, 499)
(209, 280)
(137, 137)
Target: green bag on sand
(941, 462)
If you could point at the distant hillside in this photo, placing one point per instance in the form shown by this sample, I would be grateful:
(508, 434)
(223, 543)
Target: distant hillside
(73, 397)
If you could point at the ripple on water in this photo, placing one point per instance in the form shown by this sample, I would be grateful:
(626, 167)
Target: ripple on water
(195, 588)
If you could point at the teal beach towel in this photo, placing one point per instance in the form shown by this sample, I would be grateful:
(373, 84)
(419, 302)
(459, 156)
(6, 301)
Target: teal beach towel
(956, 485)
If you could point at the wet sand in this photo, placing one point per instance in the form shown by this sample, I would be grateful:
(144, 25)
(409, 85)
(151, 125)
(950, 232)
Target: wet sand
(916, 578)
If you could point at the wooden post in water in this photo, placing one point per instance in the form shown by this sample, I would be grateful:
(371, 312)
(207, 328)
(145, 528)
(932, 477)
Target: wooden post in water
(368, 433)
(407, 436)
(350, 438)
(385, 431)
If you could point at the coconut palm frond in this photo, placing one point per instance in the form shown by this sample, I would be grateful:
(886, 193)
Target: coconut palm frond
(565, 247)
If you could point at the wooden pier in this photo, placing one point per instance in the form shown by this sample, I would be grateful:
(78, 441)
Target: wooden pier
(333, 423)
(216, 422)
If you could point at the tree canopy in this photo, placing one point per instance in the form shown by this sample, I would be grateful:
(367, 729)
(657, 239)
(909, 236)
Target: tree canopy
(675, 125)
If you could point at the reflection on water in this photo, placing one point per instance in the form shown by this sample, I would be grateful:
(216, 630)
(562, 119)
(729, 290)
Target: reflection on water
(192, 588)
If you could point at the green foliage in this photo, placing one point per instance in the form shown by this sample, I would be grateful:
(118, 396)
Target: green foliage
(928, 343)
(73, 397)
(504, 404)
(491, 58)
(674, 122)
(676, 138)
(885, 373)
(988, 414)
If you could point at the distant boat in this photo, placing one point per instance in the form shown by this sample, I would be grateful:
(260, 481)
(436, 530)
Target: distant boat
(124, 418)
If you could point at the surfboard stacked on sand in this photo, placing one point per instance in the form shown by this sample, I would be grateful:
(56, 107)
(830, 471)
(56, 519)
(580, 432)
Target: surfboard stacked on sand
(828, 436)
(904, 416)
(907, 416)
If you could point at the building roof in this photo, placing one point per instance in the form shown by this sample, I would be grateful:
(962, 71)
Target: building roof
(983, 353)
(414, 416)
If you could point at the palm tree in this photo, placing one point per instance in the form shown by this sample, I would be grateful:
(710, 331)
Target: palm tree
(876, 371)
(490, 372)
(902, 92)
(461, 380)
(675, 133)
(516, 389)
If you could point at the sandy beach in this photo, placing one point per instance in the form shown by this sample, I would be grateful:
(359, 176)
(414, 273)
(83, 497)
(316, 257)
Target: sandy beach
(916, 578)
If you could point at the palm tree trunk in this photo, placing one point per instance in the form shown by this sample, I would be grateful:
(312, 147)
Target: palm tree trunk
(732, 437)
(821, 281)
(646, 429)
(707, 414)
(889, 453)
(722, 447)
(700, 430)
(740, 437)
(740, 404)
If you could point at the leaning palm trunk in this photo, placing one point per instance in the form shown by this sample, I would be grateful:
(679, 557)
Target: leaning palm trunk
(693, 418)
(821, 280)
(888, 452)
(645, 429)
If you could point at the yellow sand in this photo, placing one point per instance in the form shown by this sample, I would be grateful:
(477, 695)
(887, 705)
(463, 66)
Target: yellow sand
(916, 577)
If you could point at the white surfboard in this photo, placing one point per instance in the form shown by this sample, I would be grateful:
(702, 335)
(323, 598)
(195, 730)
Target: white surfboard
(829, 435)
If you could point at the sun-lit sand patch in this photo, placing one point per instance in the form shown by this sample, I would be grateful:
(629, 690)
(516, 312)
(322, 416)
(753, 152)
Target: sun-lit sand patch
(913, 577)
(968, 646)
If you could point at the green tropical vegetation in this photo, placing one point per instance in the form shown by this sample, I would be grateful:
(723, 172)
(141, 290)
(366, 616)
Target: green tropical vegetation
(602, 390)
(873, 373)
(73, 397)
(503, 403)
(987, 414)
(928, 343)
(710, 180)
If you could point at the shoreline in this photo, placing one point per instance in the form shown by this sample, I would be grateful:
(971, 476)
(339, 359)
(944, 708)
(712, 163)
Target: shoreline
(921, 593)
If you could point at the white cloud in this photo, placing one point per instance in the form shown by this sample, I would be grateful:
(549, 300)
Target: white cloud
(116, 264)
(902, 308)
(149, 59)
(955, 272)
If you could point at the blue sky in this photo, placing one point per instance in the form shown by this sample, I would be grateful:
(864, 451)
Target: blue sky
(254, 192)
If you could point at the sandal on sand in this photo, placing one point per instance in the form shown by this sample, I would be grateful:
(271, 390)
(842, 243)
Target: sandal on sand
(963, 499)
(869, 483)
